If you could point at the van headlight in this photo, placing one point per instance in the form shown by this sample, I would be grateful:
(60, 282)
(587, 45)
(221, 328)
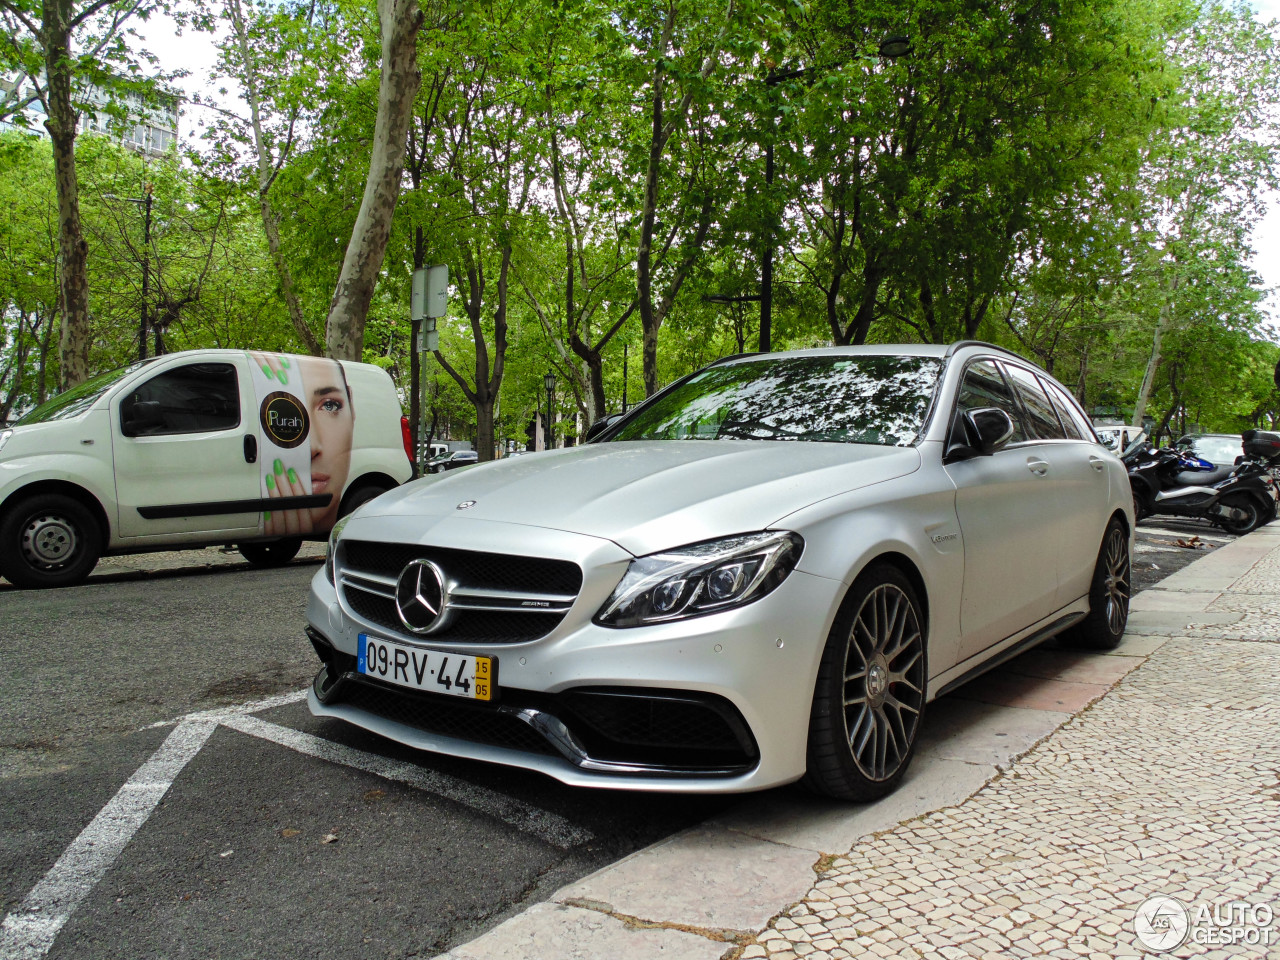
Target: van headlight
(329, 571)
(701, 578)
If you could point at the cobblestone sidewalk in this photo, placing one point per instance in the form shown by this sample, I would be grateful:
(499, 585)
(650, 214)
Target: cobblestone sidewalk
(1169, 785)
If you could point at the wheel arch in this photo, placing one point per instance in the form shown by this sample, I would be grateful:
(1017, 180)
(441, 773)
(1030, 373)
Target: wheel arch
(907, 567)
(67, 489)
(374, 478)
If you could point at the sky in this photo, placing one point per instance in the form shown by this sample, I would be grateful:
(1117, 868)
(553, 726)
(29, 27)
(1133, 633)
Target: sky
(195, 52)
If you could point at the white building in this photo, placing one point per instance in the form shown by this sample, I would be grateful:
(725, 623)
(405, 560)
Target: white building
(150, 128)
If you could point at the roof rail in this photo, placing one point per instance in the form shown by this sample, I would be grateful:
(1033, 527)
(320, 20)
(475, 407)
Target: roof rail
(981, 343)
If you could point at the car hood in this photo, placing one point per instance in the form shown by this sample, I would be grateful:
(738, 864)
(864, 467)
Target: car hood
(651, 495)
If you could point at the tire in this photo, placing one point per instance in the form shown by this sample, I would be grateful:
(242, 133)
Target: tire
(49, 540)
(270, 553)
(1139, 508)
(869, 697)
(1253, 512)
(359, 497)
(1109, 593)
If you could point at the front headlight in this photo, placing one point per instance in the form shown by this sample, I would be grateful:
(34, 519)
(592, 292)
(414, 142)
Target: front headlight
(701, 578)
(329, 571)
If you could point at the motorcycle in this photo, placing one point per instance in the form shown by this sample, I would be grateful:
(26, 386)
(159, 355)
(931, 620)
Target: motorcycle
(1239, 498)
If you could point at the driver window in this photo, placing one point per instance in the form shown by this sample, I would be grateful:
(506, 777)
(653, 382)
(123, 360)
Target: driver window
(196, 398)
(983, 386)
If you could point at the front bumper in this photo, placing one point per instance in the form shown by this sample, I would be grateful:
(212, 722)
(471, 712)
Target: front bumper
(747, 673)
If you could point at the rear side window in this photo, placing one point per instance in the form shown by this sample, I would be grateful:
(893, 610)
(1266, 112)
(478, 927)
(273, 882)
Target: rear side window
(196, 398)
(1044, 420)
(984, 386)
(1073, 421)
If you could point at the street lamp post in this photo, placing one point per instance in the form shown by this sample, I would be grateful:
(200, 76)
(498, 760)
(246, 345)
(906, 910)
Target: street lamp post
(145, 200)
(549, 381)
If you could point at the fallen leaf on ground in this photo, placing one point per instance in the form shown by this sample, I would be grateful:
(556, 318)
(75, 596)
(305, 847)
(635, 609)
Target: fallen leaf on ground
(330, 838)
(288, 832)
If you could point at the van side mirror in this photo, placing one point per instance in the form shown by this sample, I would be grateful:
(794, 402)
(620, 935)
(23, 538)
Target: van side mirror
(141, 417)
(601, 425)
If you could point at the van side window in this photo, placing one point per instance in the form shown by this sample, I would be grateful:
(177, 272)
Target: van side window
(983, 386)
(1044, 420)
(196, 398)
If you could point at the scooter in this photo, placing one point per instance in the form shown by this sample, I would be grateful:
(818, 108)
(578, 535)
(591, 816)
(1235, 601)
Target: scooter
(1238, 498)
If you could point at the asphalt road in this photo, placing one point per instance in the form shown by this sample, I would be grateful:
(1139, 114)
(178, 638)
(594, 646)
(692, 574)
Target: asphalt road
(281, 835)
(259, 849)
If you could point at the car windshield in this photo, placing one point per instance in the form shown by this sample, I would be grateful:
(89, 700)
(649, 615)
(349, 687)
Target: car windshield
(1214, 449)
(73, 402)
(875, 399)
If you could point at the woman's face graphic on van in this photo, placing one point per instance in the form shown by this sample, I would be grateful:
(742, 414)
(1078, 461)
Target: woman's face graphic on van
(328, 400)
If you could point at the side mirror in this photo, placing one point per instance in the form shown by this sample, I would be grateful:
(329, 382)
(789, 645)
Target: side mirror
(601, 425)
(141, 417)
(979, 433)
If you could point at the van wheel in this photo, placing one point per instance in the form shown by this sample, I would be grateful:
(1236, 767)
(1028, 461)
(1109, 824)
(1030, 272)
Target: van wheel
(48, 540)
(1109, 594)
(272, 553)
(359, 497)
(869, 698)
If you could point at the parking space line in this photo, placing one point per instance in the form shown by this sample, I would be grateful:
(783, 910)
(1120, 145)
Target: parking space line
(546, 826)
(28, 932)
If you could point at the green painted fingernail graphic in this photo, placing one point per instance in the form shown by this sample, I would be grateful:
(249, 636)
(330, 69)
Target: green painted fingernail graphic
(266, 515)
(278, 466)
(271, 482)
(284, 377)
(267, 370)
(284, 361)
(293, 475)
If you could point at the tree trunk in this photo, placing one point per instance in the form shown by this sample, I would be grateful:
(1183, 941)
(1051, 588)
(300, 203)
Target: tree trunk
(344, 328)
(266, 178)
(1149, 377)
(77, 338)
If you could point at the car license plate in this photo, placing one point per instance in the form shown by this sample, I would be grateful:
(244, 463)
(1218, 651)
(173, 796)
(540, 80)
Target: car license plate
(431, 671)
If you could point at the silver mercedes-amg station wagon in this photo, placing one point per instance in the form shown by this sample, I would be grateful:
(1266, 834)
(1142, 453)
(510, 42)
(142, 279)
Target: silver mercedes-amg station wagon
(762, 574)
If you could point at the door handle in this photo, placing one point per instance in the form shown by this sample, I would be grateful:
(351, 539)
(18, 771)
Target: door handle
(1097, 464)
(250, 448)
(1038, 467)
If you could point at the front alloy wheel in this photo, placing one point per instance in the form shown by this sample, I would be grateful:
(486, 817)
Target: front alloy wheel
(870, 693)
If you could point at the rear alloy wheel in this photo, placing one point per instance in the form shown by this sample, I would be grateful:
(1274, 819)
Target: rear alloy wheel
(1251, 519)
(1109, 594)
(870, 693)
(272, 553)
(49, 540)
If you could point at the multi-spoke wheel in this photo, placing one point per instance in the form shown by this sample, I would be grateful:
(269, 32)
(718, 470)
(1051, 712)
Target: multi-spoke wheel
(870, 693)
(1109, 593)
(48, 540)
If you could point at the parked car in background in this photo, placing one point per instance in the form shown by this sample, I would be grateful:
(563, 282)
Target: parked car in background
(1221, 449)
(459, 458)
(762, 574)
(1118, 438)
(259, 450)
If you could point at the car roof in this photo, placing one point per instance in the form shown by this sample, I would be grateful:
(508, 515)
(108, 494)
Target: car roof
(884, 349)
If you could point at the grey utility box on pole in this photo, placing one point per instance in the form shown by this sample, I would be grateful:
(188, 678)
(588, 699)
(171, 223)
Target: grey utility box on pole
(429, 300)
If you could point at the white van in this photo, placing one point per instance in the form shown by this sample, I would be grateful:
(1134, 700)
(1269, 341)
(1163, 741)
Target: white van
(259, 450)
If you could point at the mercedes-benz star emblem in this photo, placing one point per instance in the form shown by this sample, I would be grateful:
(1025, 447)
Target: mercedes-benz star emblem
(421, 597)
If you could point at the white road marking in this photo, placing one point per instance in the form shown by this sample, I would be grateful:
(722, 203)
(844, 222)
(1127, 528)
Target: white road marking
(543, 824)
(256, 706)
(28, 932)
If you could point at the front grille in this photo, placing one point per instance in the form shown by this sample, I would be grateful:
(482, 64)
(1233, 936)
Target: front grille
(492, 571)
(368, 571)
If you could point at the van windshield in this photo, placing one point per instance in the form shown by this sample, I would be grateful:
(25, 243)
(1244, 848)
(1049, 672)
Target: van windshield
(73, 402)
